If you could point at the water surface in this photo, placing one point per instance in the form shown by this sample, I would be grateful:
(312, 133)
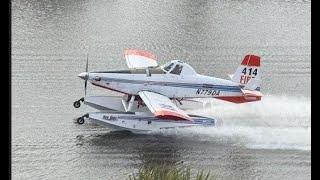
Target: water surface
(265, 140)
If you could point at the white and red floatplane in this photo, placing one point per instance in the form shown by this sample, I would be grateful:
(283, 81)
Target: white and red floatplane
(153, 95)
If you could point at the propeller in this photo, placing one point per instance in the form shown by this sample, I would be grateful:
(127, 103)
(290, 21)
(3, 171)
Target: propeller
(86, 80)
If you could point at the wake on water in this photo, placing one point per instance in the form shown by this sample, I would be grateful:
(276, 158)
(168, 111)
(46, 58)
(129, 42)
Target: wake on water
(275, 122)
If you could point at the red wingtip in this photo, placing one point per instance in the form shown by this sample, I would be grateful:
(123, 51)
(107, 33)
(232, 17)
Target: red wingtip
(251, 60)
(165, 114)
(140, 53)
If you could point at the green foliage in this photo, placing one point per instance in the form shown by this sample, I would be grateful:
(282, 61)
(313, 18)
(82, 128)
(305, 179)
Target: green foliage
(165, 172)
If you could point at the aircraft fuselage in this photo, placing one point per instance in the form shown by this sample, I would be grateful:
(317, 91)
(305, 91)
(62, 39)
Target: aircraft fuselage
(170, 85)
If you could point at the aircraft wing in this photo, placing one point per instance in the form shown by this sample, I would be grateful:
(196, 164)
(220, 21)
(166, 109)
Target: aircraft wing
(162, 107)
(140, 59)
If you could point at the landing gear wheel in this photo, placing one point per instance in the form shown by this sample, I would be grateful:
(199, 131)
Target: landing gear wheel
(80, 120)
(76, 104)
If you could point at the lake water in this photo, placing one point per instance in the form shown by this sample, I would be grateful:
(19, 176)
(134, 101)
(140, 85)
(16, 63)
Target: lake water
(270, 139)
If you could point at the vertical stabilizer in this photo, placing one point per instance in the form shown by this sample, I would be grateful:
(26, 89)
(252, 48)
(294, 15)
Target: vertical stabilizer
(248, 69)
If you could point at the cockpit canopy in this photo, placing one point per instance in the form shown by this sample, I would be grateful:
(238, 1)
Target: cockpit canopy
(178, 67)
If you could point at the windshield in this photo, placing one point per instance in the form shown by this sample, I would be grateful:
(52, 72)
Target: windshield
(168, 67)
(177, 69)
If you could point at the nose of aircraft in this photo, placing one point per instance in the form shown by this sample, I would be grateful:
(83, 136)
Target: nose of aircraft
(83, 75)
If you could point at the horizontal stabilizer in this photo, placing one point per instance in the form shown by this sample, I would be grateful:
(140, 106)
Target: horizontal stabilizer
(251, 93)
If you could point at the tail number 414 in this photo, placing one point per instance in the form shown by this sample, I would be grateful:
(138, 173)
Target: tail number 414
(248, 74)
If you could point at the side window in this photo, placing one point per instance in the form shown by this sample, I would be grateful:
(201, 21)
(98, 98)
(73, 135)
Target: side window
(167, 68)
(177, 70)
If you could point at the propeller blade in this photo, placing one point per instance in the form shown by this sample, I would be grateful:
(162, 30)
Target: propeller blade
(85, 82)
(87, 63)
(85, 88)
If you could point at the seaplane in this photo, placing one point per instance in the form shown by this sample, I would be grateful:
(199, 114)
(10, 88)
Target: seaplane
(153, 96)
